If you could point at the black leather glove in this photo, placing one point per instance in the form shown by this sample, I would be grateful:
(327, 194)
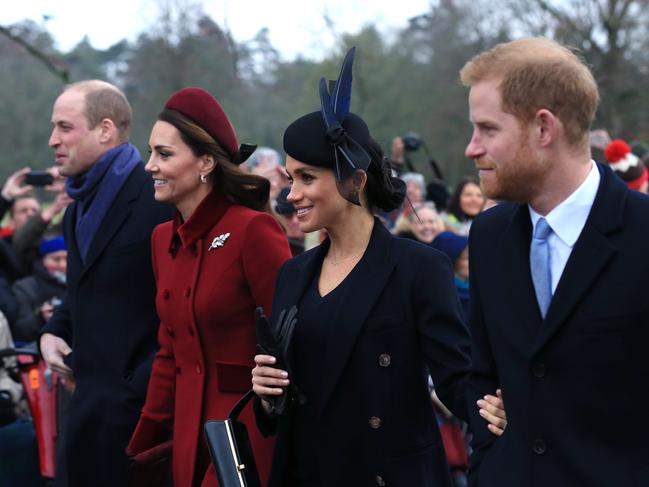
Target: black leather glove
(277, 342)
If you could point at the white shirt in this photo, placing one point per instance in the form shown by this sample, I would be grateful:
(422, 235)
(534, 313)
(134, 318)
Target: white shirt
(567, 221)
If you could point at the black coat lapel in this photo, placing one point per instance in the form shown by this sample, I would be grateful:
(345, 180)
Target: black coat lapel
(592, 251)
(117, 214)
(515, 254)
(370, 280)
(70, 236)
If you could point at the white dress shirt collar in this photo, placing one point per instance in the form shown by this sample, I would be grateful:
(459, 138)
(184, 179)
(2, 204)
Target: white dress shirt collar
(567, 220)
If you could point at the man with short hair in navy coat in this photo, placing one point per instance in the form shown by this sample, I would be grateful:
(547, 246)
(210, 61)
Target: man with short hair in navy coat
(559, 309)
(104, 333)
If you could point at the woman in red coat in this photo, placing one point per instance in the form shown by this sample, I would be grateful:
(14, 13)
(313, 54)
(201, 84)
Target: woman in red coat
(213, 265)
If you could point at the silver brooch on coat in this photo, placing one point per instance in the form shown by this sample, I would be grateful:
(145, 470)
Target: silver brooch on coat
(219, 241)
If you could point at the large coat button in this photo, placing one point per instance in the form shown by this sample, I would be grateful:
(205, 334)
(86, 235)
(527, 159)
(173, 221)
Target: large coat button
(375, 422)
(190, 330)
(165, 294)
(539, 370)
(188, 292)
(385, 360)
(380, 481)
(539, 446)
(170, 331)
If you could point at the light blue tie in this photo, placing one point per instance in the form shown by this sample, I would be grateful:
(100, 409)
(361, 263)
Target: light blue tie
(540, 265)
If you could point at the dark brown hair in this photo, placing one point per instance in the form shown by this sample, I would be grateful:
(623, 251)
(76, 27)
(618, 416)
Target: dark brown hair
(454, 207)
(229, 179)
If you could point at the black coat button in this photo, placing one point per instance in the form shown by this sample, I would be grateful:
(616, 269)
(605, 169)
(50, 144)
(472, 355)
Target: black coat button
(379, 481)
(170, 331)
(190, 331)
(178, 370)
(539, 446)
(375, 422)
(165, 294)
(385, 360)
(539, 370)
(188, 292)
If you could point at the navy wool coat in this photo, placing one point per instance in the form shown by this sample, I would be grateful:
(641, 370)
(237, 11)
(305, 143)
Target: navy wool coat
(575, 385)
(108, 317)
(376, 422)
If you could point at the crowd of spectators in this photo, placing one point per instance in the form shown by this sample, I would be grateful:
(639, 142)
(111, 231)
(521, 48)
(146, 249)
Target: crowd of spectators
(33, 253)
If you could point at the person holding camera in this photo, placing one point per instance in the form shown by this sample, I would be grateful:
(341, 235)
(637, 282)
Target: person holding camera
(28, 236)
(38, 294)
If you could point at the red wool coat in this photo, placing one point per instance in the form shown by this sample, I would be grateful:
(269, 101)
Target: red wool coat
(206, 296)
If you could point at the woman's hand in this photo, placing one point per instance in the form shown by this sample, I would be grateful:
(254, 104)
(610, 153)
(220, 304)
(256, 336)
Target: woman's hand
(492, 409)
(267, 380)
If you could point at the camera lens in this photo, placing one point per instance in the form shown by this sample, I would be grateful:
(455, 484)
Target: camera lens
(411, 141)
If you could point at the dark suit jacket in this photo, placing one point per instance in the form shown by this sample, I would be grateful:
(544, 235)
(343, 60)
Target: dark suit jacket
(108, 317)
(376, 422)
(576, 385)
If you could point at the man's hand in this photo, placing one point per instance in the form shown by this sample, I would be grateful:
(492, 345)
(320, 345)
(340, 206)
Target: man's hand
(53, 349)
(14, 187)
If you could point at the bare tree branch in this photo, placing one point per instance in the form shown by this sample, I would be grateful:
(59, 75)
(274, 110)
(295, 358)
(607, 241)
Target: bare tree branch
(60, 71)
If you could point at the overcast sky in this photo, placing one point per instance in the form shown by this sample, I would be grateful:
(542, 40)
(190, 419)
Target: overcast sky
(296, 26)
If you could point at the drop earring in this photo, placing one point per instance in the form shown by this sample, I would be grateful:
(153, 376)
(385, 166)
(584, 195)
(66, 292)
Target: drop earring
(203, 178)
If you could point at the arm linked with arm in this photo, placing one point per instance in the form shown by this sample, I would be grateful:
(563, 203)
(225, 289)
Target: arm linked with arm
(445, 339)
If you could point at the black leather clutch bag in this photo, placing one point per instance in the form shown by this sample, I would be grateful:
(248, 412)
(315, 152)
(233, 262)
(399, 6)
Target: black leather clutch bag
(230, 449)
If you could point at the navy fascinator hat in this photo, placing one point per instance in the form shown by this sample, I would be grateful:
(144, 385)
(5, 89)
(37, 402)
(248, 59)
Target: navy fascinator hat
(333, 137)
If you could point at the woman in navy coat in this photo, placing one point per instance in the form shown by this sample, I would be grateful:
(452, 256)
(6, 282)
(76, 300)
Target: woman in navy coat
(376, 315)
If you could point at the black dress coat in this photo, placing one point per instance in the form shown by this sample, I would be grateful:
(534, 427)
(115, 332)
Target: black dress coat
(376, 422)
(108, 317)
(575, 385)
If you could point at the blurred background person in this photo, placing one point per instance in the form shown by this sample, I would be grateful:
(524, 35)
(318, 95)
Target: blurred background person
(13, 187)
(266, 162)
(421, 223)
(22, 209)
(466, 202)
(456, 247)
(626, 165)
(27, 238)
(288, 217)
(415, 186)
(38, 294)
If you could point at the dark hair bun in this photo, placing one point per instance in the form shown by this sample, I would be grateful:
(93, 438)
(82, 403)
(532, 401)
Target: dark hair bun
(383, 190)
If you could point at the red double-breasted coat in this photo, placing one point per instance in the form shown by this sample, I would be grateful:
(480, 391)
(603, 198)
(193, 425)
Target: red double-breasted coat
(211, 272)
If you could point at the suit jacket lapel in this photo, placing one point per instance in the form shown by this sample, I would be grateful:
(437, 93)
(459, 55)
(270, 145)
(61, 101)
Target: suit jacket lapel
(118, 213)
(369, 280)
(592, 251)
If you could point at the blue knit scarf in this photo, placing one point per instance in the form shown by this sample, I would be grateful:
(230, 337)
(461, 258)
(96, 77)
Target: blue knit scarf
(96, 189)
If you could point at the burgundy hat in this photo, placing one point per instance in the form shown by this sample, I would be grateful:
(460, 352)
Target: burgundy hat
(202, 108)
